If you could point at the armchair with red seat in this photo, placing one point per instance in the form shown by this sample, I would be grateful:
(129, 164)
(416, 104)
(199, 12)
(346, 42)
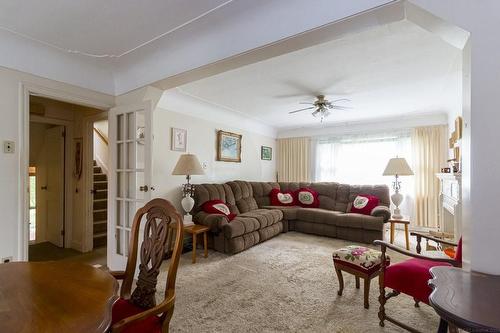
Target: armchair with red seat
(411, 276)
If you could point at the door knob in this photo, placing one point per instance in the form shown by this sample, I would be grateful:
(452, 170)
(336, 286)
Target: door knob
(144, 188)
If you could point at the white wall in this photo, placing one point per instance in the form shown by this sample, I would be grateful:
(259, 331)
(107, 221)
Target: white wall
(202, 142)
(481, 178)
(10, 164)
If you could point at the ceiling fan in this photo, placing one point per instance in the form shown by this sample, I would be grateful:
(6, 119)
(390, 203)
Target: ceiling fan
(323, 106)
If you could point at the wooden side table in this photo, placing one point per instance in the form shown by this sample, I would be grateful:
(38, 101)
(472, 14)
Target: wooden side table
(466, 300)
(406, 223)
(195, 230)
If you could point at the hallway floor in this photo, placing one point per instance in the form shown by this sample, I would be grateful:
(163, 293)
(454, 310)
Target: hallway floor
(47, 251)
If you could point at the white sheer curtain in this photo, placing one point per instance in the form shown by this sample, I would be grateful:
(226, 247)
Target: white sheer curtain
(360, 159)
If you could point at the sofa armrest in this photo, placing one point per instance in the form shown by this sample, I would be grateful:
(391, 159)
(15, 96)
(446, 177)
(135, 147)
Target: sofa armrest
(382, 211)
(214, 221)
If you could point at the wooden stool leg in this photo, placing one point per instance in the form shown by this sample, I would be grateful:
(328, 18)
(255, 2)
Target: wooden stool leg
(205, 244)
(357, 282)
(392, 233)
(341, 281)
(194, 248)
(407, 237)
(367, 293)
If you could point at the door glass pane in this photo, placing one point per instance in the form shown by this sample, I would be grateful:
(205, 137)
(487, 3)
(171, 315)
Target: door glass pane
(131, 126)
(119, 127)
(140, 154)
(130, 153)
(131, 209)
(119, 156)
(119, 242)
(140, 126)
(119, 212)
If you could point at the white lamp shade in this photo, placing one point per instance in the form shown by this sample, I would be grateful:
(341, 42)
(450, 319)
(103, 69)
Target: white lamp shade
(398, 167)
(188, 164)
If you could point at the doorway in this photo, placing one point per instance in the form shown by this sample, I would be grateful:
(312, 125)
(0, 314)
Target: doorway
(47, 188)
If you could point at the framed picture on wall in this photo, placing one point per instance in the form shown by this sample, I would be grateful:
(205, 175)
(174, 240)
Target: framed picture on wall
(178, 141)
(228, 147)
(266, 153)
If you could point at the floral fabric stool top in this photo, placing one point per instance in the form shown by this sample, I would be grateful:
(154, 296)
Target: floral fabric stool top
(360, 261)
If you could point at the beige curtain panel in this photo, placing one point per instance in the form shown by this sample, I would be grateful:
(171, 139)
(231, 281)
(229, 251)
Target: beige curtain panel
(429, 156)
(294, 159)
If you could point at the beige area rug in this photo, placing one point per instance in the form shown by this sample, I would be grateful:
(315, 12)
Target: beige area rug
(286, 284)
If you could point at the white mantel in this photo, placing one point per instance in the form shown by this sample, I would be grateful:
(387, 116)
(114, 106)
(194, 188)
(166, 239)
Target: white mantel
(450, 207)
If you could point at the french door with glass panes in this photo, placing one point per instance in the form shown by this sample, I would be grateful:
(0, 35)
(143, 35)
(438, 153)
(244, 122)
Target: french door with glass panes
(130, 141)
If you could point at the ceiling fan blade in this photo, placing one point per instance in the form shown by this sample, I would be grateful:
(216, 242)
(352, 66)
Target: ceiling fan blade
(309, 108)
(341, 99)
(306, 103)
(291, 96)
(338, 107)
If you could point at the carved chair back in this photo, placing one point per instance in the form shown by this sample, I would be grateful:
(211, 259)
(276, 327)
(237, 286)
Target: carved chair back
(162, 227)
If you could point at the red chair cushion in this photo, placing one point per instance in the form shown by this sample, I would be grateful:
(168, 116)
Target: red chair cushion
(123, 309)
(411, 277)
(458, 253)
(307, 197)
(218, 207)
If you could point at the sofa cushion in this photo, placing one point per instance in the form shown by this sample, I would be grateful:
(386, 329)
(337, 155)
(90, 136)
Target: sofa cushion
(359, 221)
(282, 198)
(207, 192)
(218, 207)
(261, 192)
(318, 215)
(380, 191)
(364, 204)
(289, 212)
(307, 197)
(252, 221)
(243, 195)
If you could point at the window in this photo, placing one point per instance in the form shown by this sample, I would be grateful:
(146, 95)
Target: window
(361, 160)
(32, 175)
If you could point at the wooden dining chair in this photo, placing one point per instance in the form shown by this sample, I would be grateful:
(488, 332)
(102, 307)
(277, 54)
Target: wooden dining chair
(137, 311)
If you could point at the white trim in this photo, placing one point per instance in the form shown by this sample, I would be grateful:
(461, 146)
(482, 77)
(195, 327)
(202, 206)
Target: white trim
(25, 90)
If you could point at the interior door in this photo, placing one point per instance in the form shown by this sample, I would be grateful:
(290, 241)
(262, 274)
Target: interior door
(54, 184)
(130, 141)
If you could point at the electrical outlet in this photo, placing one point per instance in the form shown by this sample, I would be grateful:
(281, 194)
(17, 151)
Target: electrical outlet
(6, 260)
(204, 165)
(9, 147)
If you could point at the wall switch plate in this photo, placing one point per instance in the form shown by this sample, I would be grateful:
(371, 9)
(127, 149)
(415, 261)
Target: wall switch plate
(204, 165)
(6, 260)
(9, 147)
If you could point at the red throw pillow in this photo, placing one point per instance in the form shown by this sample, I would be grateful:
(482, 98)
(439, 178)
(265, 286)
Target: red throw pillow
(218, 207)
(307, 197)
(364, 204)
(279, 198)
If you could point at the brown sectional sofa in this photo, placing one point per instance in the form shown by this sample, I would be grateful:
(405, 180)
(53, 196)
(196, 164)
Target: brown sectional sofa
(257, 221)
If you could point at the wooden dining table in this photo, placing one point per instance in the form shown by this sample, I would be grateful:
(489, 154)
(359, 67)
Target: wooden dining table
(55, 296)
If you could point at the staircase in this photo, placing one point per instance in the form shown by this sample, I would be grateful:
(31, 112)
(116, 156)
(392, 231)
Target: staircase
(100, 207)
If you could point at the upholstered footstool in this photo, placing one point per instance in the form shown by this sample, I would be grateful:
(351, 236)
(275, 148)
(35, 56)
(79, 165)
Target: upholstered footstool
(362, 262)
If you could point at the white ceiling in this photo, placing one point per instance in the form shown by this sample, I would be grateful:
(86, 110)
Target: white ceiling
(397, 69)
(100, 28)
(115, 46)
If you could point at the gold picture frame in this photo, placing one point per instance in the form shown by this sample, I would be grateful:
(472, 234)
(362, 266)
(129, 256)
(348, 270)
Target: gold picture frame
(228, 146)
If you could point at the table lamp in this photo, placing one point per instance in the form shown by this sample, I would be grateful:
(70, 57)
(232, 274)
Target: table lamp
(397, 167)
(188, 165)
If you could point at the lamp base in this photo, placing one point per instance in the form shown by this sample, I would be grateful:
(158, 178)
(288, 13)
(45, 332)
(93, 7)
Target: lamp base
(187, 220)
(397, 214)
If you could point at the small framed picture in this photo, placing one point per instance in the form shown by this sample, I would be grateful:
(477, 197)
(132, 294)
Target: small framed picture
(228, 147)
(178, 142)
(266, 153)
